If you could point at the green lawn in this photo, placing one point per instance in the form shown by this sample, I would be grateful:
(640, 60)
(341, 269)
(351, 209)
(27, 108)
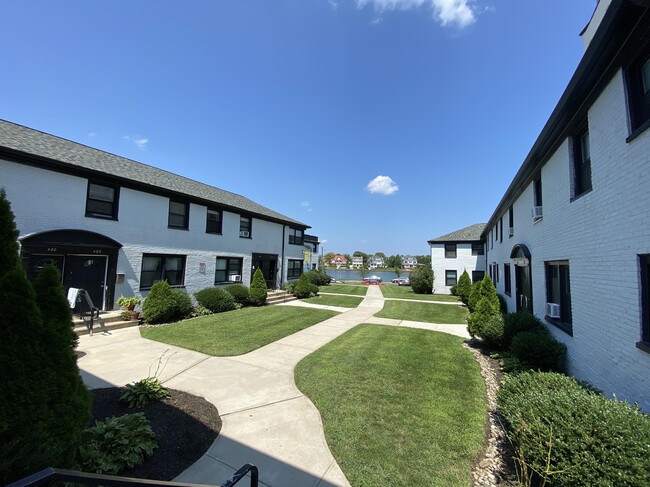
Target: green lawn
(405, 292)
(427, 312)
(237, 332)
(400, 407)
(332, 300)
(344, 289)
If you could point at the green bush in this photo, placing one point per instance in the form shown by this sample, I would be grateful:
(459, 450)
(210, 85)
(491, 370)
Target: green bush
(538, 350)
(165, 304)
(492, 331)
(143, 392)
(422, 280)
(258, 292)
(454, 290)
(288, 286)
(503, 304)
(215, 299)
(572, 435)
(239, 293)
(515, 323)
(464, 287)
(474, 295)
(117, 443)
(485, 308)
(304, 289)
(318, 278)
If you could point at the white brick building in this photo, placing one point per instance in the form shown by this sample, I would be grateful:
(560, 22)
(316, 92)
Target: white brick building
(454, 253)
(115, 226)
(570, 239)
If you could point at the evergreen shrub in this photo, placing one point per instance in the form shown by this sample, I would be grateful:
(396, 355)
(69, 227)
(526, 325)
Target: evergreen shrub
(492, 331)
(538, 350)
(258, 291)
(573, 436)
(239, 293)
(215, 299)
(119, 442)
(474, 295)
(304, 288)
(318, 278)
(422, 280)
(486, 308)
(165, 304)
(514, 323)
(464, 287)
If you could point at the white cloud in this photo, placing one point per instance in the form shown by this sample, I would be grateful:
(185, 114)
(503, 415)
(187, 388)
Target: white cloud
(382, 185)
(333, 4)
(306, 206)
(324, 241)
(447, 12)
(92, 134)
(140, 142)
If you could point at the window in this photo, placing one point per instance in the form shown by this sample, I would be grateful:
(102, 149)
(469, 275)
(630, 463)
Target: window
(213, 221)
(101, 201)
(450, 278)
(450, 251)
(511, 222)
(477, 248)
(477, 276)
(637, 77)
(558, 291)
(581, 163)
(507, 285)
(295, 236)
(245, 227)
(162, 267)
(179, 215)
(294, 269)
(537, 187)
(228, 269)
(644, 261)
(501, 230)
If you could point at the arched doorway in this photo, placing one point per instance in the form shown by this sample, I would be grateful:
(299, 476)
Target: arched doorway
(523, 283)
(86, 260)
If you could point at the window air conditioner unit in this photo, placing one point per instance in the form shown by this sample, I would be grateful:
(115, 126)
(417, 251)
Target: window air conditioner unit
(511, 231)
(552, 310)
(536, 212)
(245, 234)
(235, 278)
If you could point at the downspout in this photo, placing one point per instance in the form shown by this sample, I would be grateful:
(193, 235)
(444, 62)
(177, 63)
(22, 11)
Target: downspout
(284, 229)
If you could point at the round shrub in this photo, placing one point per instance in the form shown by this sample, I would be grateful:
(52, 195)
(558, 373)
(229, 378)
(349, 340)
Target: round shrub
(538, 350)
(239, 293)
(257, 293)
(304, 289)
(576, 434)
(215, 299)
(318, 278)
(487, 308)
(492, 331)
(422, 280)
(514, 323)
(164, 304)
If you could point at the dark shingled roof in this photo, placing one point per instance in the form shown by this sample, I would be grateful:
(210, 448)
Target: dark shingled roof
(22, 141)
(467, 234)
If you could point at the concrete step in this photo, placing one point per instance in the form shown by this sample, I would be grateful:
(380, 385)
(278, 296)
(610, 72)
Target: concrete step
(110, 319)
(275, 297)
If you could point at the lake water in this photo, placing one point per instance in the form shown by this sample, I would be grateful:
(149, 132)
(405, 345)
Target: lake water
(353, 274)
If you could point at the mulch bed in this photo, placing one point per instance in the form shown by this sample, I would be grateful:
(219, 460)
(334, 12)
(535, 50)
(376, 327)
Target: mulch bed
(185, 426)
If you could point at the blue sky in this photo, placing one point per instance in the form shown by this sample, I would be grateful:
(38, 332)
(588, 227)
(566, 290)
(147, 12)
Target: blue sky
(379, 123)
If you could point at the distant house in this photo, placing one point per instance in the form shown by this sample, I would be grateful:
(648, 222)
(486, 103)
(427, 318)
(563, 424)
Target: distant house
(409, 262)
(339, 261)
(357, 262)
(375, 261)
(114, 226)
(455, 252)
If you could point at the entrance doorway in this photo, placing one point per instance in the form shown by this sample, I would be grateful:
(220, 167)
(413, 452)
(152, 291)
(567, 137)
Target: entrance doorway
(268, 264)
(523, 285)
(86, 260)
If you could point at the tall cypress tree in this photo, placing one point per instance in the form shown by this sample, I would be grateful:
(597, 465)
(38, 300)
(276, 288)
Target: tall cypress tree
(8, 236)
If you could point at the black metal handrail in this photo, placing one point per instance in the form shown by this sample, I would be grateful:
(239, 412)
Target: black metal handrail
(61, 475)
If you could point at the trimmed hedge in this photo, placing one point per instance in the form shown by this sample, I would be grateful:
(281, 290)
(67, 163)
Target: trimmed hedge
(165, 304)
(576, 434)
(538, 350)
(239, 293)
(318, 278)
(515, 323)
(215, 299)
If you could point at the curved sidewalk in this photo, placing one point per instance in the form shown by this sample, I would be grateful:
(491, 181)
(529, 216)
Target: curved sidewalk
(267, 421)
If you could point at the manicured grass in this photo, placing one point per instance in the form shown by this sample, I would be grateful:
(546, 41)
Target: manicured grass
(427, 312)
(331, 300)
(405, 292)
(344, 289)
(400, 407)
(237, 332)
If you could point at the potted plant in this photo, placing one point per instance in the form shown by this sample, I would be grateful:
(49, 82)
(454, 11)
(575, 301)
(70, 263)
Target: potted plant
(129, 304)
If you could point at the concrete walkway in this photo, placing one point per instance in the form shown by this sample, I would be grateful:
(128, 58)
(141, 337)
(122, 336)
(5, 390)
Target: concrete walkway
(267, 421)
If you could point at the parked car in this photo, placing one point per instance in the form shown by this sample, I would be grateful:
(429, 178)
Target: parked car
(375, 278)
(404, 282)
(370, 280)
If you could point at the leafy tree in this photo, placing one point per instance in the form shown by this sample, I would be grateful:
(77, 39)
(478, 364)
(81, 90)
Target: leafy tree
(464, 287)
(258, 291)
(380, 254)
(397, 271)
(348, 259)
(363, 271)
(365, 256)
(424, 260)
(422, 280)
(328, 257)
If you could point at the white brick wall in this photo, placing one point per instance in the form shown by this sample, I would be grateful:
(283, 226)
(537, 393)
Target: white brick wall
(46, 200)
(464, 261)
(600, 234)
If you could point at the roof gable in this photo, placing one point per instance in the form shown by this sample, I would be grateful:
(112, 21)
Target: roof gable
(467, 234)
